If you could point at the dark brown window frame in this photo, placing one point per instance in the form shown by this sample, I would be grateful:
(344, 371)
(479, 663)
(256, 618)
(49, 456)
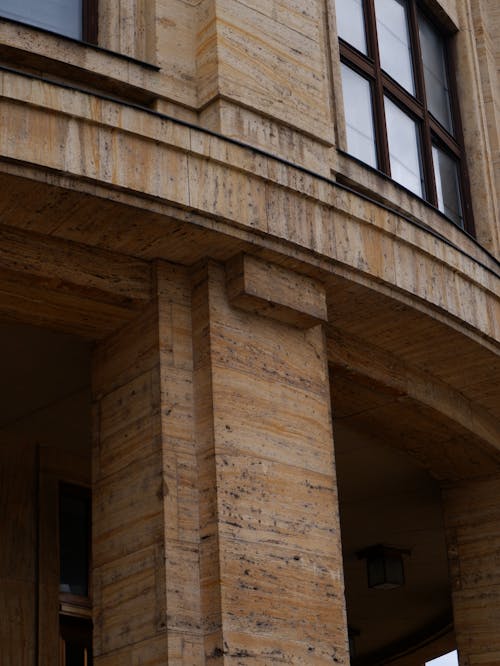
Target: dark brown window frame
(90, 23)
(431, 131)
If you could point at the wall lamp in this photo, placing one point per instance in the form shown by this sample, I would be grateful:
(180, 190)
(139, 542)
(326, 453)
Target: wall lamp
(384, 566)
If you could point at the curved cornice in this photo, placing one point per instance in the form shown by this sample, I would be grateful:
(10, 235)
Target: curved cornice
(163, 160)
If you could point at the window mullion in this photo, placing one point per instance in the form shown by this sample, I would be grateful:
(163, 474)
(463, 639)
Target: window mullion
(449, 142)
(352, 57)
(378, 86)
(404, 99)
(430, 183)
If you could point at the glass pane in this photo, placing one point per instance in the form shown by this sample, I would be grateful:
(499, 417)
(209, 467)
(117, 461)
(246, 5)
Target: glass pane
(376, 571)
(449, 659)
(351, 23)
(358, 116)
(62, 16)
(436, 80)
(404, 148)
(394, 41)
(75, 655)
(447, 185)
(74, 514)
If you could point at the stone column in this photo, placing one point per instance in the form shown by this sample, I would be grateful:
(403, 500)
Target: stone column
(216, 534)
(472, 514)
(145, 500)
(271, 566)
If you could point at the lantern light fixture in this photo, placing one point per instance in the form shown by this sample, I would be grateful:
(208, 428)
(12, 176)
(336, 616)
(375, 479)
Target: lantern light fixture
(384, 566)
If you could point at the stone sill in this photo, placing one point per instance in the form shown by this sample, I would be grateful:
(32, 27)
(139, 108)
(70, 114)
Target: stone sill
(63, 59)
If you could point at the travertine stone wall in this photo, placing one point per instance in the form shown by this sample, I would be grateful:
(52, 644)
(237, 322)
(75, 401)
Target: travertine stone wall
(270, 545)
(216, 535)
(145, 541)
(128, 27)
(472, 515)
(128, 521)
(267, 73)
(479, 95)
(270, 57)
(486, 22)
(140, 153)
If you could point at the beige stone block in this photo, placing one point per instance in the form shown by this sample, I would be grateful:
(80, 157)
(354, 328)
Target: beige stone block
(128, 510)
(275, 292)
(126, 585)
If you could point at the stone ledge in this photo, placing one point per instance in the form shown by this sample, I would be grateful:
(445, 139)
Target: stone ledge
(273, 291)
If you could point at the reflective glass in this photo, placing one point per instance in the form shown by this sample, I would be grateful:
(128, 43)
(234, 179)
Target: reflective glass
(436, 80)
(74, 525)
(404, 148)
(358, 116)
(351, 23)
(447, 185)
(61, 16)
(394, 41)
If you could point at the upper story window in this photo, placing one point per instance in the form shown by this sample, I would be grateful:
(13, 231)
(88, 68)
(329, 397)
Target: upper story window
(401, 116)
(73, 18)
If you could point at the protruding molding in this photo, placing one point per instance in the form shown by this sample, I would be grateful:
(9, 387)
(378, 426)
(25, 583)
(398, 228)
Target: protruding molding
(417, 384)
(69, 286)
(273, 291)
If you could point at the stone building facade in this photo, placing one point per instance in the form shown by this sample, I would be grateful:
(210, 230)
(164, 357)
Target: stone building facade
(250, 324)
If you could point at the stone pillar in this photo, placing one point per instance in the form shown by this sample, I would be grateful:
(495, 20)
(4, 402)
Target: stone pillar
(472, 514)
(271, 566)
(216, 534)
(145, 506)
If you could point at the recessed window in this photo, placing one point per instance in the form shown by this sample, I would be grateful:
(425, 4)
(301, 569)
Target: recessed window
(404, 149)
(72, 18)
(351, 23)
(447, 185)
(394, 41)
(399, 110)
(74, 531)
(359, 123)
(436, 78)
(75, 641)
(75, 611)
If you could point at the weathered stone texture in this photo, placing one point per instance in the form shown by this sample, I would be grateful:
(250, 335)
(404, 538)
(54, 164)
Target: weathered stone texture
(271, 543)
(472, 513)
(145, 480)
(217, 276)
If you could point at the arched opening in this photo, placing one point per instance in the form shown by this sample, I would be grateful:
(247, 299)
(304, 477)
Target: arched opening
(388, 498)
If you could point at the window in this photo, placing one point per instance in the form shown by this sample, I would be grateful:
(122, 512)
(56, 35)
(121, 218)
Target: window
(73, 18)
(75, 614)
(75, 641)
(401, 116)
